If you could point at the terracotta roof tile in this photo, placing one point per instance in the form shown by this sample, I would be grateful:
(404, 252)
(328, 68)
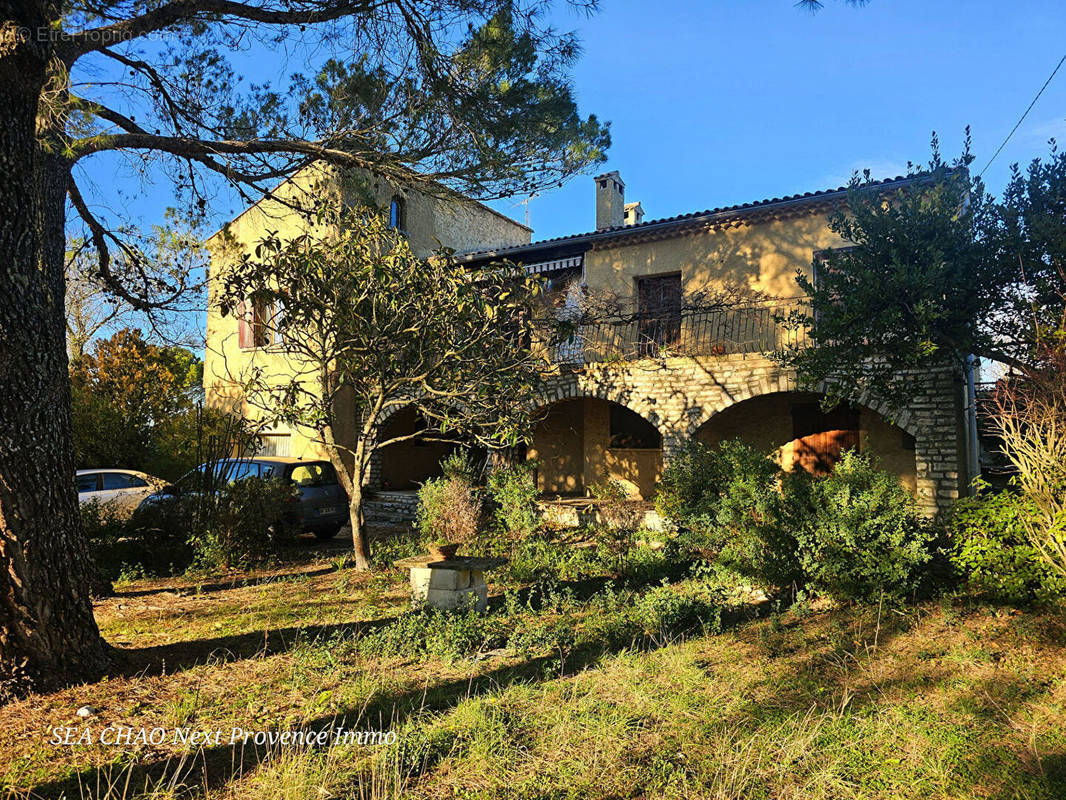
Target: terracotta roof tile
(742, 208)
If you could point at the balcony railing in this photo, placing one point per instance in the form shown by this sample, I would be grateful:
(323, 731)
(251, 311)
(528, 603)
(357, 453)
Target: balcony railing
(690, 332)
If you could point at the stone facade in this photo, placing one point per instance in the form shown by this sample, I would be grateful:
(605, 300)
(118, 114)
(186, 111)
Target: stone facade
(679, 395)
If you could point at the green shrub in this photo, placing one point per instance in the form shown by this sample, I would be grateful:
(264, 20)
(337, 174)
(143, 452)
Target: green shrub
(243, 523)
(534, 559)
(458, 464)
(727, 507)
(990, 549)
(513, 492)
(859, 531)
(669, 611)
(691, 484)
(149, 543)
(426, 631)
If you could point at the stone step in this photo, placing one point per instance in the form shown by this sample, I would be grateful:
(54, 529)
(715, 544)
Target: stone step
(391, 508)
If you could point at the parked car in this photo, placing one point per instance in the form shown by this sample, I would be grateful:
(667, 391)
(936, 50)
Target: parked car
(322, 506)
(123, 489)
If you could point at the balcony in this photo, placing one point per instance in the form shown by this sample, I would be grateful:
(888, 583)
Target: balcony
(756, 328)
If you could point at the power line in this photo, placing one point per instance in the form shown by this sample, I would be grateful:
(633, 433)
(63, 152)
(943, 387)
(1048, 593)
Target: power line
(1023, 116)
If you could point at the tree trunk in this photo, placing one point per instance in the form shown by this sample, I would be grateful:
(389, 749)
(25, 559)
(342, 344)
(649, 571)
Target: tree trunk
(47, 630)
(360, 542)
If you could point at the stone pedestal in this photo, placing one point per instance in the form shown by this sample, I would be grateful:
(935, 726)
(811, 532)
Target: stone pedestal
(450, 583)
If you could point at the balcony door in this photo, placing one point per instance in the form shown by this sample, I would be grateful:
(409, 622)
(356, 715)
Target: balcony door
(658, 313)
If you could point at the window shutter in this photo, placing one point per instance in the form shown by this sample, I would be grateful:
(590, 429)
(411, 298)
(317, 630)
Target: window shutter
(244, 327)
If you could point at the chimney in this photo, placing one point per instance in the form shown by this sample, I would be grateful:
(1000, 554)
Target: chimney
(610, 200)
(634, 214)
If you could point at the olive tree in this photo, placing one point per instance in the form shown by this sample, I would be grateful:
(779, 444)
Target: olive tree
(369, 328)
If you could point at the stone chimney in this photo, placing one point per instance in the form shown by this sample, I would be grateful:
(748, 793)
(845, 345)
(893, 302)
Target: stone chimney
(634, 214)
(610, 201)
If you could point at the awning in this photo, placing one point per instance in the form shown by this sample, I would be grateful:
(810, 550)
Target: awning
(573, 262)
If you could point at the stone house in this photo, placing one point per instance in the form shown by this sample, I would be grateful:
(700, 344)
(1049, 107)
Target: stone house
(625, 394)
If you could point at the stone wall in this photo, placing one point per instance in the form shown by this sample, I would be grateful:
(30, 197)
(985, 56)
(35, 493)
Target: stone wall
(679, 395)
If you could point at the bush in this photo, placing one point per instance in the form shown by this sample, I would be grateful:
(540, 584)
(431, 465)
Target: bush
(150, 543)
(513, 492)
(727, 507)
(991, 549)
(243, 523)
(859, 531)
(691, 484)
(449, 509)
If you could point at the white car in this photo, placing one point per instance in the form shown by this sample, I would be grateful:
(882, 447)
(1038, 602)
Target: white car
(124, 489)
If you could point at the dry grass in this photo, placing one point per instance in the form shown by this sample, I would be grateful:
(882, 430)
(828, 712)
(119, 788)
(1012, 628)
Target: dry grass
(933, 702)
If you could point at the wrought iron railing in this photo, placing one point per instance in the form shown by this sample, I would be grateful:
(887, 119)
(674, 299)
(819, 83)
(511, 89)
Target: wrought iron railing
(755, 328)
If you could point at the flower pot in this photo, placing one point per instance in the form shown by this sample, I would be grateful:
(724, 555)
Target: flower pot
(443, 551)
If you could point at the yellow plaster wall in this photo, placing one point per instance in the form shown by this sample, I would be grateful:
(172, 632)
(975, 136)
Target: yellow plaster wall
(571, 445)
(558, 447)
(430, 223)
(762, 256)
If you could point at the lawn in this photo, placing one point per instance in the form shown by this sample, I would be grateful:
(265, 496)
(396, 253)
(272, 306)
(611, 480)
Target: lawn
(585, 679)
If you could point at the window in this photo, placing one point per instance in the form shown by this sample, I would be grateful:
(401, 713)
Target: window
(317, 474)
(658, 313)
(273, 444)
(258, 320)
(821, 436)
(821, 261)
(398, 213)
(236, 470)
(117, 480)
(89, 483)
(630, 431)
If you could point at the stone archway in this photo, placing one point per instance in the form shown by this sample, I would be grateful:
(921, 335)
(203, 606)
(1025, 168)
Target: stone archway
(404, 466)
(792, 428)
(583, 436)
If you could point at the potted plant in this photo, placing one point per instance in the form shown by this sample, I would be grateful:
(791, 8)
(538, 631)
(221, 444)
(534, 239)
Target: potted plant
(449, 511)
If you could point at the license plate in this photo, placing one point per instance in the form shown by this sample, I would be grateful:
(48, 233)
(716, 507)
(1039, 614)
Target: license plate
(327, 510)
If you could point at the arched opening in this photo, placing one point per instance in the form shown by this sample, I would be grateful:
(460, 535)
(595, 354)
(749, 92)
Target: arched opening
(584, 441)
(407, 464)
(792, 427)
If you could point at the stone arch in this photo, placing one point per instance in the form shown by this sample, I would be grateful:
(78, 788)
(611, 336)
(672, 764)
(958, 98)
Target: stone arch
(590, 432)
(769, 421)
(405, 465)
(573, 387)
(786, 383)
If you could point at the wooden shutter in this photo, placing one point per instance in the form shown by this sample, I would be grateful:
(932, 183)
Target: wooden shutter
(244, 326)
(819, 437)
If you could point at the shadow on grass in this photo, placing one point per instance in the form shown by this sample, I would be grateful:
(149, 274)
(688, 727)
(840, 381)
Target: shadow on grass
(177, 656)
(221, 585)
(210, 768)
(831, 655)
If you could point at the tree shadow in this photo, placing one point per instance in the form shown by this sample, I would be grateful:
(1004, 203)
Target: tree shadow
(195, 587)
(210, 768)
(178, 656)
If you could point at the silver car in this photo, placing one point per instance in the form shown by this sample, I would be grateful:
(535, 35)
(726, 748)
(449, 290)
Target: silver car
(121, 489)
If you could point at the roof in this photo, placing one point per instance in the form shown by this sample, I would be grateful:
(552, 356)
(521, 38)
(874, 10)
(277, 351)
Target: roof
(578, 240)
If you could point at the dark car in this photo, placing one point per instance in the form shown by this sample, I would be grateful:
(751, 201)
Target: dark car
(322, 505)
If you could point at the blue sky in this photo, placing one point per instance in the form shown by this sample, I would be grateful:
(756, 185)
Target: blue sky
(714, 103)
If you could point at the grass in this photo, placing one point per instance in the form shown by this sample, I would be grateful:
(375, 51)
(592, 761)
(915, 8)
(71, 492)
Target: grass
(591, 684)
